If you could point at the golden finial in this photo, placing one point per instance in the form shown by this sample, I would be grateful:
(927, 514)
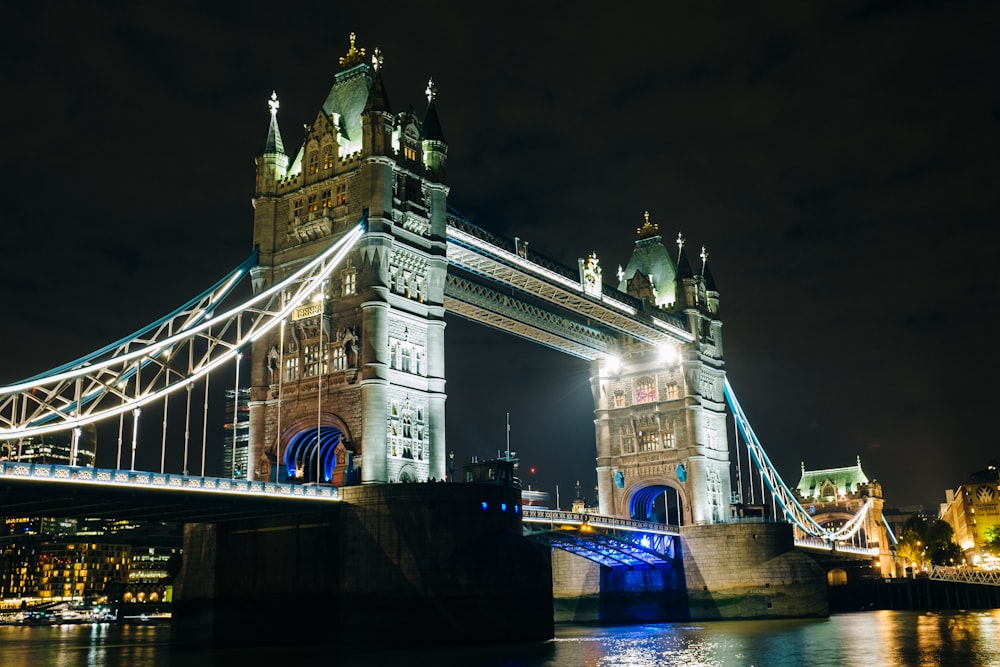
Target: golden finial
(648, 229)
(354, 56)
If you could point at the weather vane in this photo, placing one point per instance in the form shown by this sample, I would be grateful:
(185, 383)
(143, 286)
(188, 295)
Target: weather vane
(431, 90)
(273, 104)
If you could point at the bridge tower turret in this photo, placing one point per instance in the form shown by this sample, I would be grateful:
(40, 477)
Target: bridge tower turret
(358, 372)
(661, 415)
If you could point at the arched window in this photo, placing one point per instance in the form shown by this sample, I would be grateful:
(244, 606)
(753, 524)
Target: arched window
(645, 390)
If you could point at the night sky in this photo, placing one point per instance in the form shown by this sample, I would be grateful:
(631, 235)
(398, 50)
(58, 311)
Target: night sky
(839, 162)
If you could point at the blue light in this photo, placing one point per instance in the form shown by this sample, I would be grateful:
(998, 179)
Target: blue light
(485, 505)
(503, 507)
(645, 541)
(517, 509)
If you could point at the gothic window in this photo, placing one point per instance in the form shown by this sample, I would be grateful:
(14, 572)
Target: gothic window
(327, 197)
(407, 426)
(405, 360)
(393, 352)
(297, 207)
(619, 398)
(645, 390)
(628, 441)
(341, 194)
(313, 360)
(649, 441)
(669, 440)
(313, 162)
(327, 157)
(417, 365)
(410, 152)
(339, 358)
(350, 281)
(672, 391)
(291, 369)
(407, 276)
(313, 204)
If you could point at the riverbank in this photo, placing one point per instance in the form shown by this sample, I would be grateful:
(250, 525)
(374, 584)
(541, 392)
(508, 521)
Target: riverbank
(920, 594)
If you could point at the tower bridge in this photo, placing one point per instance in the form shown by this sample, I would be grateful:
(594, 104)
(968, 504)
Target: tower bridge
(357, 258)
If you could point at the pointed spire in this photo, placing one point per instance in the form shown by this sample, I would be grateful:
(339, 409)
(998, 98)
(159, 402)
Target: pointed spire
(273, 144)
(680, 245)
(432, 125)
(378, 99)
(683, 266)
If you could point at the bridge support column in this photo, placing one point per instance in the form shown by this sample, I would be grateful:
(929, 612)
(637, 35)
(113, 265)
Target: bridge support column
(400, 563)
(750, 570)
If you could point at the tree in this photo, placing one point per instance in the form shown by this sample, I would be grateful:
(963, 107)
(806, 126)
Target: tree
(910, 544)
(941, 549)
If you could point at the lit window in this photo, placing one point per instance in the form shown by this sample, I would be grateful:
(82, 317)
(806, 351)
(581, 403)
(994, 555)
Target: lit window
(327, 157)
(327, 198)
(313, 362)
(619, 398)
(672, 392)
(410, 152)
(313, 162)
(648, 442)
(350, 280)
(645, 390)
(313, 204)
(341, 194)
(339, 358)
(669, 440)
(291, 369)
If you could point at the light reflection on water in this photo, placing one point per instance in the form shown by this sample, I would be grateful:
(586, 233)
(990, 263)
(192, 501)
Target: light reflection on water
(864, 639)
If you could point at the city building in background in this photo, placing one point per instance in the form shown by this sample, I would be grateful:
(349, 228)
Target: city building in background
(236, 428)
(75, 447)
(973, 512)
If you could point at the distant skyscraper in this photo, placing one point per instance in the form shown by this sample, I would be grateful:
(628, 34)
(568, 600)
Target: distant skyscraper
(76, 447)
(237, 429)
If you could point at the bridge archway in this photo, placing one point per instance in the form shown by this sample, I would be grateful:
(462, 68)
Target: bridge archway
(659, 501)
(308, 451)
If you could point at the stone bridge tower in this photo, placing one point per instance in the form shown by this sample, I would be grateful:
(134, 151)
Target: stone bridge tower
(351, 389)
(660, 414)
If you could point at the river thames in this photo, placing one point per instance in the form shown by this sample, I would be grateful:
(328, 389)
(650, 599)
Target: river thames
(866, 639)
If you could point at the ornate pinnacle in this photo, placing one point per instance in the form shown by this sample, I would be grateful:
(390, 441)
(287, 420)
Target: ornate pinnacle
(273, 104)
(354, 56)
(648, 229)
(704, 258)
(680, 243)
(377, 59)
(430, 91)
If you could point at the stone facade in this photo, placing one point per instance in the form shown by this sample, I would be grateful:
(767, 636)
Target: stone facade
(660, 411)
(362, 364)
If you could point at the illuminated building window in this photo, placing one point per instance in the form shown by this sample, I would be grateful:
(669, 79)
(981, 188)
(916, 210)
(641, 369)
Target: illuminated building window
(619, 398)
(648, 441)
(341, 194)
(313, 360)
(313, 204)
(672, 392)
(313, 162)
(339, 358)
(669, 440)
(291, 369)
(327, 197)
(350, 282)
(410, 153)
(327, 157)
(645, 390)
(405, 360)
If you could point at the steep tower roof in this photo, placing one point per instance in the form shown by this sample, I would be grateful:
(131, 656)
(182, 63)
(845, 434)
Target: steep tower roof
(652, 260)
(432, 125)
(273, 143)
(816, 483)
(378, 99)
(348, 96)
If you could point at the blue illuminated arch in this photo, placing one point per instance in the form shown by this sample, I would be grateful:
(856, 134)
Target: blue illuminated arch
(660, 503)
(301, 453)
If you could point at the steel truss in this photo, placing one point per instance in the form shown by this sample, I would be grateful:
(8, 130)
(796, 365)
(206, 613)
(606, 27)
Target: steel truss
(163, 357)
